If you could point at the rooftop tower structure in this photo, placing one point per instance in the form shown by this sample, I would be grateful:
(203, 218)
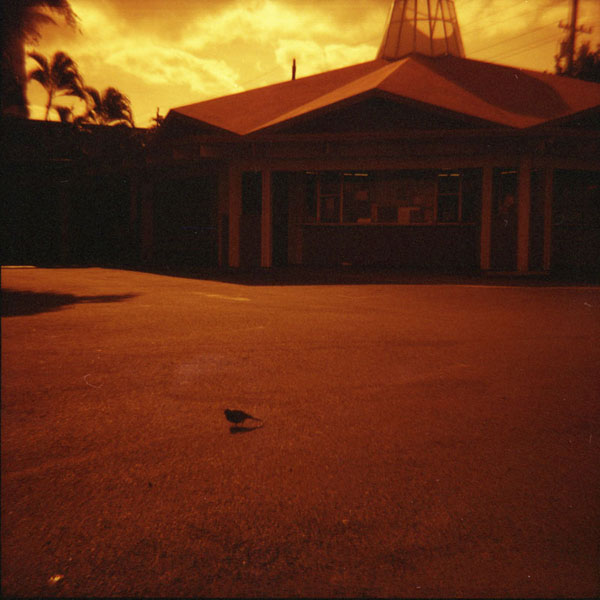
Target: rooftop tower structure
(427, 27)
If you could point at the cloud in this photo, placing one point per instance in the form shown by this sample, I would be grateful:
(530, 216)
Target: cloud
(267, 21)
(313, 58)
(275, 31)
(174, 52)
(162, 66)
(145, 56)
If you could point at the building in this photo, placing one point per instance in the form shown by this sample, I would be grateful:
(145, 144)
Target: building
(420, 158)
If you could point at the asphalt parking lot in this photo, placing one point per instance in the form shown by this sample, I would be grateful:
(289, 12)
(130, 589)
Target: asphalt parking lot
(421, 437)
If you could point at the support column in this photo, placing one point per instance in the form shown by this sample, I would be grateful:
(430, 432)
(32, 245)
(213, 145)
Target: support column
(234, 191)
(266, 221)
(524, 213)
(486, 219)
(548, 194)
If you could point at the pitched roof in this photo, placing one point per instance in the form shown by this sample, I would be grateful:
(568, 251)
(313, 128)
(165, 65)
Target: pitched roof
(499, 95)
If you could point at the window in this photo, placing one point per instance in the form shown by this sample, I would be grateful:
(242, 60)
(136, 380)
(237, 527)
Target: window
(356, 198)
(405, 197)
(458, 196)
(330, 196)
(448, 197)
(423, 197)
(334, 197)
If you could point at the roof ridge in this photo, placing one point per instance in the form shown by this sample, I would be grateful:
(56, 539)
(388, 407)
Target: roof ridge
(371, 80)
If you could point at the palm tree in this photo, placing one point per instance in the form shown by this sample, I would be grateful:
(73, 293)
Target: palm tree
(59, 78)
(20, 23)
(109, 108)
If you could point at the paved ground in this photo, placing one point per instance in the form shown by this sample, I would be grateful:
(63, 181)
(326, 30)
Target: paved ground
(419, 440)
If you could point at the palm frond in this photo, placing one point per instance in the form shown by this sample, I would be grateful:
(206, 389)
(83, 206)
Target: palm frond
(41, 60)
(117, 106)
(40, 76)
(27, 16)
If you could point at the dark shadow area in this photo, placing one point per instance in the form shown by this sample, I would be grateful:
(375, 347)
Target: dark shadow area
(17, 303)
(243, 429)
(302, 276)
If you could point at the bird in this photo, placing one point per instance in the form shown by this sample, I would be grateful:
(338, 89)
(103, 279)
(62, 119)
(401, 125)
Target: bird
(238, 416)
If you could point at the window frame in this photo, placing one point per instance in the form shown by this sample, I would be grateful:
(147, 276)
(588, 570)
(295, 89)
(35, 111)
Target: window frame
(335, 181)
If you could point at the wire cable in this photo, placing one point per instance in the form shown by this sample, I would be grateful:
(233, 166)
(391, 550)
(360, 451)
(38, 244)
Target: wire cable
(514, 37)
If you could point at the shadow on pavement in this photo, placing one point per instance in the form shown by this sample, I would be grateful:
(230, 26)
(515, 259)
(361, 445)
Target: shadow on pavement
(354, 275)
(17, 303)
(241, 429)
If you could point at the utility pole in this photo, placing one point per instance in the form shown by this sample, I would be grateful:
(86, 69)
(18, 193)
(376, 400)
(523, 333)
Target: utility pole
(568, 46)
(572, 36)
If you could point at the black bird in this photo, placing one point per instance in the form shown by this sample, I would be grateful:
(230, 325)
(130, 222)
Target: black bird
(238, 416)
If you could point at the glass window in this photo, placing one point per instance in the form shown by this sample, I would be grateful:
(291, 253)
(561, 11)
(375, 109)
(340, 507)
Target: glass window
(472, 181)
(357, 198)
(330, 196)
(387, 214)
(448, 197)
(406, 197)
(448, 209)
(329, 209)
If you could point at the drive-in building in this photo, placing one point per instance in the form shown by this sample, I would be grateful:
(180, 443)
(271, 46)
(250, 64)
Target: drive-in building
(420, 158)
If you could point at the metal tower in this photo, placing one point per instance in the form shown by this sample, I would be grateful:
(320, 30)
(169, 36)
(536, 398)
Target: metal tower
(428, 27)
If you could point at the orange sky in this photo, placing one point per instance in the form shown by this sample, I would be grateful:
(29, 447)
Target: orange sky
(168, 53)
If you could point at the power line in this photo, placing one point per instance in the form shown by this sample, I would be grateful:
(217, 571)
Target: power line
(245, 83)
(511, 17)
(523, 49)
(514, 37)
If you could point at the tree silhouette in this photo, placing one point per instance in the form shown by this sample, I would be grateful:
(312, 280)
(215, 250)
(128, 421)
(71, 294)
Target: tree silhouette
(110, 107)
(60, 77)
(158, 120)
(20, 23)
(586, 65)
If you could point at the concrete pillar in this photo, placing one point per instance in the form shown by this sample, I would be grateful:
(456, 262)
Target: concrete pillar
(524, 213)
(486, 219)
(266, 221)
(548, 194)
(234, 193)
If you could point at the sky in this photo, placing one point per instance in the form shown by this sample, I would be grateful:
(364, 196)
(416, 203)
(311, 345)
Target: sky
(168, 53)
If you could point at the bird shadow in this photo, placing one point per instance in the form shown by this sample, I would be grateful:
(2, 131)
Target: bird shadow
(243, 429)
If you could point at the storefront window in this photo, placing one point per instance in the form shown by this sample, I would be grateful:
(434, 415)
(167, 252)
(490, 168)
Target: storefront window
(330, 195)
(357, 205)
(406, 197)
(423, 197)
(448, 197)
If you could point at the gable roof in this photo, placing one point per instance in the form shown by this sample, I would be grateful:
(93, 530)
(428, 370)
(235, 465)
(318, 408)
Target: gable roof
(482, 92)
